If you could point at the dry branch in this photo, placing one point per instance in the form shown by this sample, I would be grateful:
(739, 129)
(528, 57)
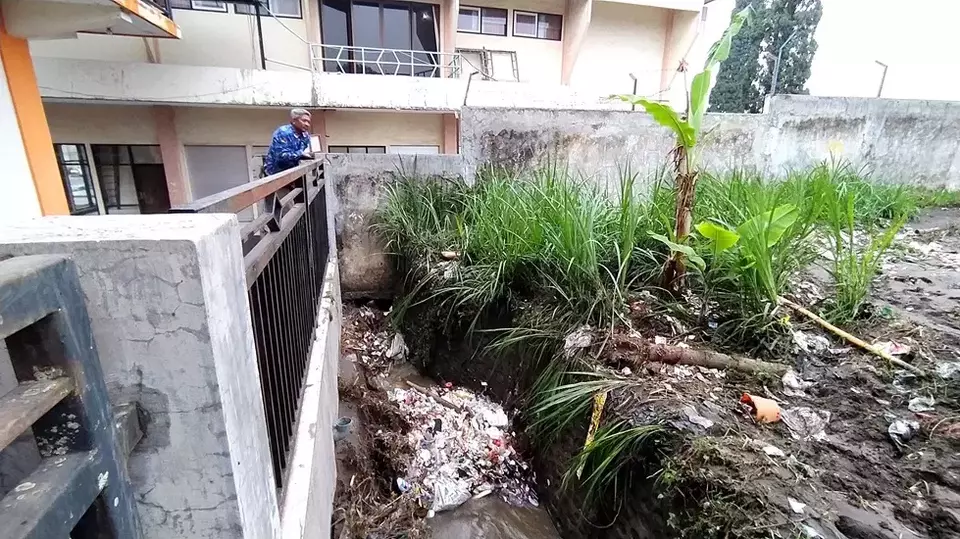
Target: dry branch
(676, 355)
(852, 339)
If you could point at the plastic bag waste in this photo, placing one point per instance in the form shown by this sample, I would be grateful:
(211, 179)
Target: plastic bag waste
(806, 423)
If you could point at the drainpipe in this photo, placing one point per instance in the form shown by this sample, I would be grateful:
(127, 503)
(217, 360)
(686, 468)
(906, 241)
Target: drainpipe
(776, 64)
(263, 56)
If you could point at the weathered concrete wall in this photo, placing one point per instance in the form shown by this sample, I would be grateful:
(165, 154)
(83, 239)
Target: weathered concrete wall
(307, 505)
(359, 182)
(167, 301)
(900, 141)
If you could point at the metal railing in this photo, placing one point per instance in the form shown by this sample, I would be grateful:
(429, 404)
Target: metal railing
(377, 61)
(285, 253)
(80, 488)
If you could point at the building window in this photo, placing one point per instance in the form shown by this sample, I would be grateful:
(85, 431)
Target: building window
(77, 182)
(132, 179)
(280, 8)
(477, 20)
(537, 25)
(209, 5)
(397, 38)
(357, 149)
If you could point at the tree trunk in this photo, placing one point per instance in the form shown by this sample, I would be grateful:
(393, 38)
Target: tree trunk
(641, 351)
(686, 182)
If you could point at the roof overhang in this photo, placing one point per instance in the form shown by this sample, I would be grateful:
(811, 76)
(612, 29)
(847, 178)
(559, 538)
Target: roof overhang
(45, 19)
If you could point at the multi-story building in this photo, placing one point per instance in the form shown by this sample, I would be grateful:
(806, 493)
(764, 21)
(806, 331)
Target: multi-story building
(141, 122)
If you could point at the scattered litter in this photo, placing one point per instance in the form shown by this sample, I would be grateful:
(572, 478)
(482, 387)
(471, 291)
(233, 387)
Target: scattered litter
(810, 343)
(695, 418)
(793, 385)
(774, 451)
(461, 448)
(659, 339)
(902, 431)
(450, 255)
(811, 533)
(626, 371)
(948, 369)
(806, 423)
(398, 348)
(921, 404)
(402, 485)
(796, 507)
(841, 351)
(764, 410)
(893, 348)
(579, 339)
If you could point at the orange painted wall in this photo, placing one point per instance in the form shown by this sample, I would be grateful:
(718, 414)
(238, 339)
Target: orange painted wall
(33, 123)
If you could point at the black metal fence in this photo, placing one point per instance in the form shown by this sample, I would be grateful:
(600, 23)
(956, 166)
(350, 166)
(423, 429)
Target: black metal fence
(80, 487)
(285, 253)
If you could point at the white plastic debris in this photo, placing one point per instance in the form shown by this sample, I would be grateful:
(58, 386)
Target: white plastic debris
(793, 385)
(902, 431)
(810, 343)
(811, 533)
(496, 417)
(398, 348)
(948, 369)
(921, 404)
(893, 348)
(695, 418)
(796, 506)
(774, 451)
(450, 494)
(806, 423)
(579, 339)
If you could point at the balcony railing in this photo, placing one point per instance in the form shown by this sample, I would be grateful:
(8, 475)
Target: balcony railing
(376, 61)
(285, 254)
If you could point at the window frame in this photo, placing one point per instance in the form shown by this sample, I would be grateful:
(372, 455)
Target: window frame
(480, 12)
(83, 162)
(366, 149)
(252, 12)
(193, 6)
(536, 15)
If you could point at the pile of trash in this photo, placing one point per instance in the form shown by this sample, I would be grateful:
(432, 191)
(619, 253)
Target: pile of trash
(461, 449)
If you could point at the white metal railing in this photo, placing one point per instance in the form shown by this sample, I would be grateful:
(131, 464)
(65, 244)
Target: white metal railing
(377, 61)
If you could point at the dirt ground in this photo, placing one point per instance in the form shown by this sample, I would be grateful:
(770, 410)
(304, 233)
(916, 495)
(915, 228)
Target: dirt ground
(724, 474)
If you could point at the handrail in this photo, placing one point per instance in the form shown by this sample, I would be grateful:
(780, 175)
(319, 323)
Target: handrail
(237, 199)
(350, 59)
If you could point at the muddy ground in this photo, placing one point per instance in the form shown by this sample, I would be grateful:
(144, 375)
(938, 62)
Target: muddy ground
(720, 473)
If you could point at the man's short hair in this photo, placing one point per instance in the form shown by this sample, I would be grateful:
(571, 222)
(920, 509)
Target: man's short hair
(297, 113)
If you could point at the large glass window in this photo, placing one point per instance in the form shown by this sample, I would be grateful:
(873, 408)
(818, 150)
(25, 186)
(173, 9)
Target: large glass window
(77, 182)
(482, 20)
(402, 28)
(280, 8)
(537, 25)
(126, 174)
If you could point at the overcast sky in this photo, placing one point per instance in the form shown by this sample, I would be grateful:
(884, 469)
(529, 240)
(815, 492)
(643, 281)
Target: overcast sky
(918, 39)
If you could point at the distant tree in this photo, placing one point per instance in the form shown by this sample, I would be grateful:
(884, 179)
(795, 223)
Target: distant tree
(748, 74)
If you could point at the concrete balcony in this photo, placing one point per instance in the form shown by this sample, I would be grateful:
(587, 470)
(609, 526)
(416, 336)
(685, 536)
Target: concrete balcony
(678, 5)
(43, 19)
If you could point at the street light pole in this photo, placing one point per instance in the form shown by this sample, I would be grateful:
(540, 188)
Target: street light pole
(776, 63)
(883, 78)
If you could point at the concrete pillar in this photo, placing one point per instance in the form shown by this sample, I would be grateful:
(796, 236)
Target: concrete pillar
(576, 20)
(36, 188)
(449, 12)
(168, 307)
(318, 119)
(677, 41)
(451, 133)
(173, 155)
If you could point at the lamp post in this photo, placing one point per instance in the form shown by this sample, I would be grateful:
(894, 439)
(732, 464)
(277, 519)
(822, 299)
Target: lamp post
(883, 77)
(776, 63)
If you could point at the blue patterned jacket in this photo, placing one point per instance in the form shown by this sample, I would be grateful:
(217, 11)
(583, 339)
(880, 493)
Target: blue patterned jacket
(285, 149)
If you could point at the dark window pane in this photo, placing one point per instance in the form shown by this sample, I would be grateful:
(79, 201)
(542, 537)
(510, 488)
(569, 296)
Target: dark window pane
(396, 35)
(424, 28)
(366, 33)
(337, 149)
(494, 22)
(524, 24)
(469, 19)
(549, 26)
(356, 149)
(333, 15)
(376, 149)
(181, 4)
(146, 155)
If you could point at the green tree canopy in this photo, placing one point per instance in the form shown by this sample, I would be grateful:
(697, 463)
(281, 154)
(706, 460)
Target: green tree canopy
(747, 77)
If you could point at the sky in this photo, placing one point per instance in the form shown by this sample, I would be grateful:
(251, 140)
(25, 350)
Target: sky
(918, 39)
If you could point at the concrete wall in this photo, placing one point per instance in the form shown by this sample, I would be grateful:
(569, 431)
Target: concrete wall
(358, 182)
(382, 128)
(900, 141)
(167, 301)
(306, 508)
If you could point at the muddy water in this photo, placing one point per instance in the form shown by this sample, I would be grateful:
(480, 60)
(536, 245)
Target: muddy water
(492, 518)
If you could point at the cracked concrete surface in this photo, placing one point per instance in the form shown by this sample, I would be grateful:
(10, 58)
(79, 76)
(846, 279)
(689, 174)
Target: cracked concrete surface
(167, 302)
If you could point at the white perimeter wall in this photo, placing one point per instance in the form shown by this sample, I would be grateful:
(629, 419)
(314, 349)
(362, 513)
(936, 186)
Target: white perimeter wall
(19, 200)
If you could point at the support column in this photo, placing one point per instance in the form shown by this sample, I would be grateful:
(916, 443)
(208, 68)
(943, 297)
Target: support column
(679, 37)
(576, 20)
(319, 126)
(451, 134)
(173, 155)
(449, 11)
(24, 128)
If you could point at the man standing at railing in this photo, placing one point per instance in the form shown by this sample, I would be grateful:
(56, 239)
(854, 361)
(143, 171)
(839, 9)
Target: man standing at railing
(290, 143)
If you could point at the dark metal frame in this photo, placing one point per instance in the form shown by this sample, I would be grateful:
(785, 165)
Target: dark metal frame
(285, 257)
(80, 488)
(83, 161)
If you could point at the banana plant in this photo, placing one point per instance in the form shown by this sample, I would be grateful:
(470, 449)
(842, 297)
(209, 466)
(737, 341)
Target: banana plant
(687, 129)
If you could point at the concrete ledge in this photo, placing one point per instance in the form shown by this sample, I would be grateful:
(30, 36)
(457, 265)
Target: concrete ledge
(69, 79)
(307, 505)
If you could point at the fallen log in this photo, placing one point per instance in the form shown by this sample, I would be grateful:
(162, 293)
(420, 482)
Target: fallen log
(678, 355)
